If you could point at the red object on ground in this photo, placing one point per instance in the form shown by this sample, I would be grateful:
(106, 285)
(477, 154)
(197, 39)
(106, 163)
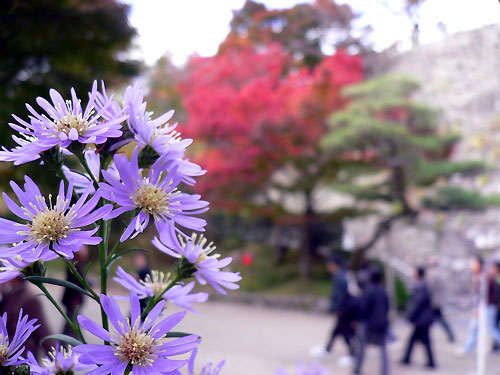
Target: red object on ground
(247, 259)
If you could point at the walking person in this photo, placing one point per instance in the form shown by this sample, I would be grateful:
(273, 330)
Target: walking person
(342, 306)
(493, 301)
(437, 288)
(493, 297)
(143, 271)
(421, 315)
(496, 345)
(374, 322)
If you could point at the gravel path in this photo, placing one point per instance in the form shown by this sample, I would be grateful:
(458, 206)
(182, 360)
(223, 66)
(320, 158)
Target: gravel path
(256, 340)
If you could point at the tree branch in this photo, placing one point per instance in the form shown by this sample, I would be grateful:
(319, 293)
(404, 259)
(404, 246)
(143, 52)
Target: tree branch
(382, 228)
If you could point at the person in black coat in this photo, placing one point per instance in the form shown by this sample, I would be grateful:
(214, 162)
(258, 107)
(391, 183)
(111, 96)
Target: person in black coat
(342, 305)
(143, 271)
(374, 319)
(421, 315)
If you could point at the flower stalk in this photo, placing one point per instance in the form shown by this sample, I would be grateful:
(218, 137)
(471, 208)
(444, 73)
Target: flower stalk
(150, 186)
(60, 310)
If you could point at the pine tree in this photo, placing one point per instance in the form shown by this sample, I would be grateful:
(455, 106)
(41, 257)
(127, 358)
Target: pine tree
(401, 152)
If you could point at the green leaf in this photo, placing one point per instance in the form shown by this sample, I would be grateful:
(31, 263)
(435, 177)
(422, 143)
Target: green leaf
(178, 334)
(457, 198)
(20, 370)
(53, 281)
(86, 271)
(60, 337)
(119, 254)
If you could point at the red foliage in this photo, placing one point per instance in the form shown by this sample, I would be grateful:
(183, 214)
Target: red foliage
(252, 111)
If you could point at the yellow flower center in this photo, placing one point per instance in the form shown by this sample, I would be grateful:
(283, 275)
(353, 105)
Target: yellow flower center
(203, 255)
(153, 199)
(50, 225)
(157, 281)
(136, 347)
(207, 248)
(4, 349)
(71, 121)
(67, 353)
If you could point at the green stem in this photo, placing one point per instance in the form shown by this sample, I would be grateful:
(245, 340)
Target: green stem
(54, 302)
(80, 278)
(103, 250)
(153, 301)
(103, 246)
(114, 249)
(118, 243)
(105, 161)
(63, 177)
(128, 369)
(85, 165)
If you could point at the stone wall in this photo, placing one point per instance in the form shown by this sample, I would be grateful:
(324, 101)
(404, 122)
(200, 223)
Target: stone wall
(461, 76)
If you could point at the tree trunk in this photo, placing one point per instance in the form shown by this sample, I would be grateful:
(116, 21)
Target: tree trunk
(399, 182)
(390, 275)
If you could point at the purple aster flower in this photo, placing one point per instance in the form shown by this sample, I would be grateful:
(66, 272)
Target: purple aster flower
(60, 361)
(155, 195)
(208, 368)
(141, 344)
(11, 350)
(82, 181)
(155, 283)
(199, 252)
(64, 122)
(12, 267)
(45, 227)
(27, 148)
(106, 106)
(9, 271)
(111, 110)
(157, 133)
(188, 170)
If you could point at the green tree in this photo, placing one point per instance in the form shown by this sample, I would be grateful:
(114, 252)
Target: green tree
(59, 44)
(163, 93)
(305, 30)
(402, 154)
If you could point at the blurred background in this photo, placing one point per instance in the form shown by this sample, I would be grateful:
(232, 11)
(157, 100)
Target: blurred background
(366, 129)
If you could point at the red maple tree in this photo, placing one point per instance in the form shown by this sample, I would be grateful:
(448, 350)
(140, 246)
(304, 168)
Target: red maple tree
(255, 112)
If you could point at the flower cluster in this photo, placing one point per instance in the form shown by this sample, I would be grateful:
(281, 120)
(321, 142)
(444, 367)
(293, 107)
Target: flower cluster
(147, 181)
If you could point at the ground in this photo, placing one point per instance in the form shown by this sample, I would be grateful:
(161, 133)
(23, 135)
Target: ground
(255, 340)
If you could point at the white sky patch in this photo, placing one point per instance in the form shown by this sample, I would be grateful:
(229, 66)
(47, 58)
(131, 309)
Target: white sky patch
(184, 27)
